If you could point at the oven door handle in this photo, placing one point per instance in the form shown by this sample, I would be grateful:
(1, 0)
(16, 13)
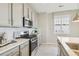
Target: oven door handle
(34, 41)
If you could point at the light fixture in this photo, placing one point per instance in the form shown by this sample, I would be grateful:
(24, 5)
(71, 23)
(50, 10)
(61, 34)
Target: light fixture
(76, 18)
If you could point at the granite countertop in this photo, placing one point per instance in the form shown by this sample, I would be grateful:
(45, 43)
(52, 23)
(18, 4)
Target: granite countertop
(10, 46)
(64, 40)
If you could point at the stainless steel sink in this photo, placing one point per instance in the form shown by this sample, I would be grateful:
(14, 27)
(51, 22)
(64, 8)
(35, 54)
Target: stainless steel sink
(74, 47)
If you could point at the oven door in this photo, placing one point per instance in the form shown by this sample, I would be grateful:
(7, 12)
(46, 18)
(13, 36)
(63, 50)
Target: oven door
(33, 45)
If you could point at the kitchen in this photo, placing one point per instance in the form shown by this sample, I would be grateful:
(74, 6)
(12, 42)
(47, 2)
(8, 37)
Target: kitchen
(39, 29)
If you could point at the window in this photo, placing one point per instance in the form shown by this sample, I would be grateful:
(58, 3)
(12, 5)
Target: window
(61, 24)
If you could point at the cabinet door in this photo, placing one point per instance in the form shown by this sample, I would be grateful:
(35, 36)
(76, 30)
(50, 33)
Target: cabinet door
(34, 19)
(12, 52)
(39, 40)
(30, 13)
(4, 14)
(17, 14)
(25, 49)
(26, 11)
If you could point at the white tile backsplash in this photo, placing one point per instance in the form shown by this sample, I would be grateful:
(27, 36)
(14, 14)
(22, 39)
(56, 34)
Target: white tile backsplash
(9, 31)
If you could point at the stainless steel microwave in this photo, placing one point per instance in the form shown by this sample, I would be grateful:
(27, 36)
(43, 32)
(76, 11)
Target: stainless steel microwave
(27, 23)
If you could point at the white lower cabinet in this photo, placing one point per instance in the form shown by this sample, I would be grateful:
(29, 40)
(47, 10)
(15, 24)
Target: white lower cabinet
(12, 52)
(24, 49)
(61, 50)
(19, 50)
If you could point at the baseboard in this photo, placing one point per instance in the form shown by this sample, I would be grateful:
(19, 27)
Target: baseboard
(54, 44)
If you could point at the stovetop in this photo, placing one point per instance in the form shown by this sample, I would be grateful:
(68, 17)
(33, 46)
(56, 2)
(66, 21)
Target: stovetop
(28, 36)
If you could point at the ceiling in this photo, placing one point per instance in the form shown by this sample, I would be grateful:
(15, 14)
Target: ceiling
(53, 7)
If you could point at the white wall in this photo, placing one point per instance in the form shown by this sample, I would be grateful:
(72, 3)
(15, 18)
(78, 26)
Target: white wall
(42, 27)
(51, 37)
(45, 24)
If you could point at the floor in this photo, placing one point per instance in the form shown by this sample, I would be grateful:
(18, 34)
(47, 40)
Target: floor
(47, 50)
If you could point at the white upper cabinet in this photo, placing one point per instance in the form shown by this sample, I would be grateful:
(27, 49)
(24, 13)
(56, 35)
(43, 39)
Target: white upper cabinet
(30, 13)
(34, 19)
(12, 14)
(17, 14)
(5, 13)
(26, 11)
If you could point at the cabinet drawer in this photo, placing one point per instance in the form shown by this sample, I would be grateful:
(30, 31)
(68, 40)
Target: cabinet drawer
(24, 45)
(24, 49)
(11, 52)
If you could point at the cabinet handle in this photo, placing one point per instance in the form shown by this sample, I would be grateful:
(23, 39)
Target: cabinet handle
(8, 15)
(11, 14)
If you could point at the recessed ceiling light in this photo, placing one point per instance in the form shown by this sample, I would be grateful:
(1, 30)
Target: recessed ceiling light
(61, 6)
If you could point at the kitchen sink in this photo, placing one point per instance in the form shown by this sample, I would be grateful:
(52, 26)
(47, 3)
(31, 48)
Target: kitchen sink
(74, 47)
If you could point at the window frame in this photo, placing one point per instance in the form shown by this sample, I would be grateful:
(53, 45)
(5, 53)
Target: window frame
(61, 24)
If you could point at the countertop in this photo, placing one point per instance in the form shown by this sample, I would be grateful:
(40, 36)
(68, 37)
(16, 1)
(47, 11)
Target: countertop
(64, 40)
(10, 46)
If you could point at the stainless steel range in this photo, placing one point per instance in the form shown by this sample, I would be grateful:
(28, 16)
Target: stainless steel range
(33, 42)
